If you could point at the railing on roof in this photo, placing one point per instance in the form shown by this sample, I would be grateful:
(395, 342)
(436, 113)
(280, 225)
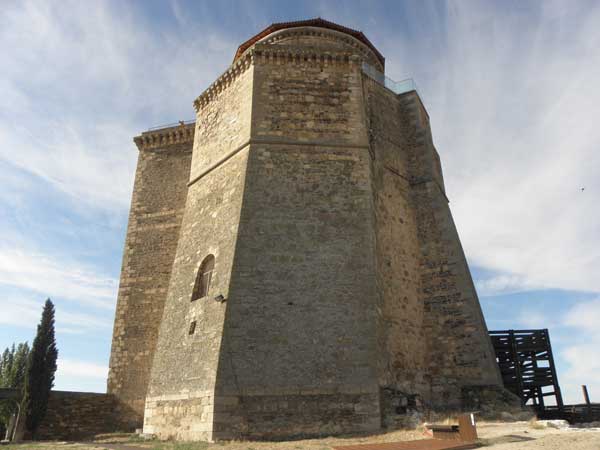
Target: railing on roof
(169, 125)
(398, 87)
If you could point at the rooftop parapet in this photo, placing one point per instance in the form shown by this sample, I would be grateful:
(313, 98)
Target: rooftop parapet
(164, 135)
(316, 23)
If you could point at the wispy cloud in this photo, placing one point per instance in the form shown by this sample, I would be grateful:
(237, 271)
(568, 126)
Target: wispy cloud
(513, 111)
(583, 356)
(26, 312)
(503, 284)
(512, 94)
(52, 277)
(76, 90)
(69, 367)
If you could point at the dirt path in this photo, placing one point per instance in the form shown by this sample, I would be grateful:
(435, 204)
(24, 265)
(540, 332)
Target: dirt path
(522, 436)
(494, 436)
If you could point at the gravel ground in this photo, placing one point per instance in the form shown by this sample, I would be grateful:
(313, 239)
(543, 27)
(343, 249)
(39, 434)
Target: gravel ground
(528, 436)
(494, 436)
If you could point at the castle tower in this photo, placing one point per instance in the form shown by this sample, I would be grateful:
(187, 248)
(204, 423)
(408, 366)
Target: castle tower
(157, 206)
(318, 281)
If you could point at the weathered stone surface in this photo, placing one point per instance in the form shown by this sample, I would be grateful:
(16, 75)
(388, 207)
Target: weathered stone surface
(494, 402)
(157, 205)
(77, 415)
(348, 299)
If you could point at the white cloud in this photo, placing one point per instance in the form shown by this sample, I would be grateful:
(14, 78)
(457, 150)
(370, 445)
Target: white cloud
(21, 312)
(26, 312)
(583, 355)
(78, 375)
(585, 316)
(514, 117)
(51, 277)
(513, 100)
(584, 362)
(503, 284)
(532, 318)
(70, 367)
(76, 91)
(512, 113)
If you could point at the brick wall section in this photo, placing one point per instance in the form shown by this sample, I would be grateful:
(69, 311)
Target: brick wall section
(157, 205)
(77, 415)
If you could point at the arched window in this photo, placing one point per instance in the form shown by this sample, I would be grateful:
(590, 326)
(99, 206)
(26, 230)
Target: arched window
(203, 278)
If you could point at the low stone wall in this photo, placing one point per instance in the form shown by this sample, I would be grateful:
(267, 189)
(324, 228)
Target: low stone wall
(75, 415)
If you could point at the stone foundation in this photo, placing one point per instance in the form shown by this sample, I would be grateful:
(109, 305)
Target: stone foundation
(181, 417)
(261, 417)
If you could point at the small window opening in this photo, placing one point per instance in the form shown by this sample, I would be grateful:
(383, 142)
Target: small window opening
(203, 278)
(192, 327)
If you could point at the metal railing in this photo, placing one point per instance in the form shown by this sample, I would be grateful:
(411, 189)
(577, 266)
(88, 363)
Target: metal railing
(168, 125)
(398, 87)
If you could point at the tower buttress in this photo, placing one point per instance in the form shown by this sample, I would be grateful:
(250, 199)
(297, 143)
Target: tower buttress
(157, 204)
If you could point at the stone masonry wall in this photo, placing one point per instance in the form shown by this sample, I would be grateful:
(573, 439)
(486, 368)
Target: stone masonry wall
(432, 332)
(298, 351)
(458, 349)
(77, 415)
(224, 124)
(400, 322)
(321, 196)
(157, 205)
(304, 179)
(180, 400)
(320, 41)
(298, 346)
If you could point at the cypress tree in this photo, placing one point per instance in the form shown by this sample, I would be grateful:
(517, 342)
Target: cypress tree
(39, 377)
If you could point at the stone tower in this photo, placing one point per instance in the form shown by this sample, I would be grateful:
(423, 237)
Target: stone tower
(295, 270)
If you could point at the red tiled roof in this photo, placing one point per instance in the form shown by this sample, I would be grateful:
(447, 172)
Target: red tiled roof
(318, 22)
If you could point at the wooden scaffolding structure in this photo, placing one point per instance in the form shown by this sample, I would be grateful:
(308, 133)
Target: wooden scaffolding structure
(527, 366)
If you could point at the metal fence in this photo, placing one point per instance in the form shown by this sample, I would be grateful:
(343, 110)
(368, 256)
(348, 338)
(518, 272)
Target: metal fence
(169, 125)
(398, 87)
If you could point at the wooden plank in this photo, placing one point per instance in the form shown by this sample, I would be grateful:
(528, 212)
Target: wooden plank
(467, 428)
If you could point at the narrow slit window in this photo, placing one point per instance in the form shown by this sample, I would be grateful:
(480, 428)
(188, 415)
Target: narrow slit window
(192, 329)
(203, 278)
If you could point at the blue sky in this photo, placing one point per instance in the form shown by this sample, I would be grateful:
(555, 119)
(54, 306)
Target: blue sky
(511, 88)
